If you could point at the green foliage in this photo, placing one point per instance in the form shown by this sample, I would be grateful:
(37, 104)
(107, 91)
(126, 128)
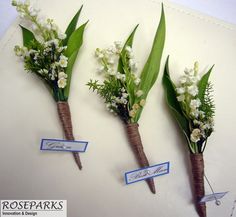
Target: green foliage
(173, 103)
(152, 66)
(28, 36)
(72, 26)
(123, 57)
(202, 85)
(74, 43)
(123, 66)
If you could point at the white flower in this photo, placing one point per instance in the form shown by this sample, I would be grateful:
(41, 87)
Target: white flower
(195, 135)
(139, 93)
(54, 27)
(195, 103)
(61, 83)
(18, 51)
(110, 61)
(194, 79)
(118, 45)
(63, 61)
(142, 102)
(123, 100)
(123, 89)
(118, 75)
(128, 49)
(137, 81)
(135, 107)
(183, 79)
(196, 67)
(100, 69)
(180, 90)
(188, 71)
(62, 75)
(124, 95)
(132, 113)
(33, 12)
(61, 35)
(111, 71)
(181, 98)
(132, 65)
(192, 90)
(98, 53)
(194, 113)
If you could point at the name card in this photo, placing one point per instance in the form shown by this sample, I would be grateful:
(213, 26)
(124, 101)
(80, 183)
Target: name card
(212, 197)
(63, 145)
(147, 172)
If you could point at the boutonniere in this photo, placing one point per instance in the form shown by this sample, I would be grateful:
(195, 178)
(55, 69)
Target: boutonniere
(50, 54)
(192, 105)
(125, 91)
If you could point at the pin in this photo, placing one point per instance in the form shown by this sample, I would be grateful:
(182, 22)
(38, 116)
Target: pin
(232, 212)
(217, 202)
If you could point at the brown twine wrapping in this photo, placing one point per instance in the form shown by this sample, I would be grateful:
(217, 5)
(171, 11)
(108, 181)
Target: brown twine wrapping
(197, 162)
(65, 117)
(137, 146)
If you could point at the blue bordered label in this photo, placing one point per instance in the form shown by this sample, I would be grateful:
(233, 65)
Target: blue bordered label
(63, 145)
(211, 197)
(147, 172)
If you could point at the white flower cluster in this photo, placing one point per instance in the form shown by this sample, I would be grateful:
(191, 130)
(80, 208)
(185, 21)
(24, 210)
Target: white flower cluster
(136, 107)
(187, 95)
(48, 61)
(45, 57)
(46, 29)
(115, 101)
(108, 59)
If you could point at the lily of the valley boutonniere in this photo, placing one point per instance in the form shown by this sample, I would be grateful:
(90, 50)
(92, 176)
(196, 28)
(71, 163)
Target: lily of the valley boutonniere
(50, 54)
(192, 106)
(124, 90)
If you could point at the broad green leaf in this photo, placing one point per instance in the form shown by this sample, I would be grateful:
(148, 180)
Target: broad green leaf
(129, 42)
(152, 66)
(75, 41)
(28, 36)
(172, 101)
(203, 84)
(121, 64)
(74, 44)
(72, 26)
(69, 69)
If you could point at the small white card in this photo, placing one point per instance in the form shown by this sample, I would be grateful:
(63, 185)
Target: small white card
(212, 197)
(63, 145)
(147, 172)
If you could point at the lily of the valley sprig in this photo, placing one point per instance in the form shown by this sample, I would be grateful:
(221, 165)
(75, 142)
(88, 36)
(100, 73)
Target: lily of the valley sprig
(50, 54)
(191, 103)
(124, 90)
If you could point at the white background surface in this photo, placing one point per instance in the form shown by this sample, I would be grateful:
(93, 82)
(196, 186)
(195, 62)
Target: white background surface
(221, 9)
(28, 113)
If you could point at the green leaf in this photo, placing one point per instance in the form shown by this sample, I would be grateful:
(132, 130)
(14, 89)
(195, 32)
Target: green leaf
(172, 101)
(69, 69)
(28, 36)
(74, 44)
(129, 42)
(75, 41)
(72, 26)
(203, 84)
(152, 66)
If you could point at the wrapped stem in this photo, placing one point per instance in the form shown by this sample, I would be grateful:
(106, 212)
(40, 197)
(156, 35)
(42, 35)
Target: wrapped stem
(65, 117)
(197, 163)
(137, 146)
